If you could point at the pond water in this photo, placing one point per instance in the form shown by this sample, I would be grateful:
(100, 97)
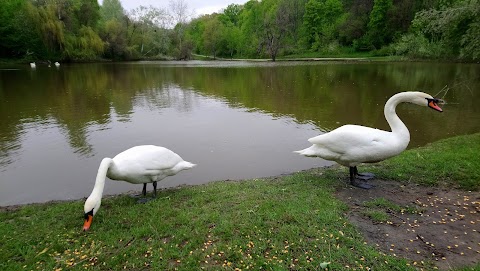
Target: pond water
(234, 119)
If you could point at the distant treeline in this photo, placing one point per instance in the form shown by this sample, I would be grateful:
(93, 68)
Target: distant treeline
(82, 30)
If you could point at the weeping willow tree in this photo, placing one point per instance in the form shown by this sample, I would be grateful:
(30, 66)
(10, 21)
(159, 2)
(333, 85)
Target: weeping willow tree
(67, 28)
(49, 27)
(85, 45)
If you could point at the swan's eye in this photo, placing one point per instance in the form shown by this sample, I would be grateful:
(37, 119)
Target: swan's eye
(88, 214)
(434, 100)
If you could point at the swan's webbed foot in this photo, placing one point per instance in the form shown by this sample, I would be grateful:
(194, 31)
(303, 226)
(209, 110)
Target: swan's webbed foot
(362, 176)
(365, 176)
(144, 192)
(144, 200)
(361, 185)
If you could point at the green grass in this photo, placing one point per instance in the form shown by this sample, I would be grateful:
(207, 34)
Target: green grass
(378, 209)
(453, 162)
(383, 203)
(286, 223)
(293, 222)
(377, 216)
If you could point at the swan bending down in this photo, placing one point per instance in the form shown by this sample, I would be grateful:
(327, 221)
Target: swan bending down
(140, 164)
(350, 145)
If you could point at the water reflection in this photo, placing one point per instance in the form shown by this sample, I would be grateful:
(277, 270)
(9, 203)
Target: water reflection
(235, 119)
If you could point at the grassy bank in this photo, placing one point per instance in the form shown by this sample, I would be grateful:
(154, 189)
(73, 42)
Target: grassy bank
(454, 162)
(289, 222)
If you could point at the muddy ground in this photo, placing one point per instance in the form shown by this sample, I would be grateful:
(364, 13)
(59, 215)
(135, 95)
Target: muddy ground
(435, 226)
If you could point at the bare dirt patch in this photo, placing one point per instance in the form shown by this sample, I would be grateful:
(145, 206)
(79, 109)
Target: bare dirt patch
(433, 226)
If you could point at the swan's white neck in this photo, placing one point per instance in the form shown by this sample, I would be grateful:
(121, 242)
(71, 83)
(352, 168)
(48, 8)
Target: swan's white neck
(396, 125)
(97, 192)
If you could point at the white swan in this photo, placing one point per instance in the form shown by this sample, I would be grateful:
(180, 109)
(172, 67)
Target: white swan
(140, 164)
(350, 145)
(32, 65)
(57, 64)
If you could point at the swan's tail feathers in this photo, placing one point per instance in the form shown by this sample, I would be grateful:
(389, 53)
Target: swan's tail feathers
(309, 152)
(183, 165)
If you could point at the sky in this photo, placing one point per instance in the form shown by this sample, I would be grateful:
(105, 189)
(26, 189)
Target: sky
(200, 7)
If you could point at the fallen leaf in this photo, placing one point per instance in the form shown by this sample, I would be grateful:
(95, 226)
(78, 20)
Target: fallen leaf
(324, 265)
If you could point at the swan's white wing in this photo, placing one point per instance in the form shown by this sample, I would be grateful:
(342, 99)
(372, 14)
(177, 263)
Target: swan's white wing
(149, 157)
(139, 164)
(350, 136)
(353, 144)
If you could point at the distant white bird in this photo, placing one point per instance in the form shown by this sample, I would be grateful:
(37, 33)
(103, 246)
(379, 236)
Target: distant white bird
(32, 65)
(57, 64)
(137, 165)
(350, 145)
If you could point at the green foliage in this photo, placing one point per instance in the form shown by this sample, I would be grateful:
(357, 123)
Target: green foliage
(49, 29)
(213, 36)
(86, 45)
(231, 14)
(18, 31)
(417, 46)
(147, 30)
(322, 19)
(111, 9)
(455, 28)
(379, 33)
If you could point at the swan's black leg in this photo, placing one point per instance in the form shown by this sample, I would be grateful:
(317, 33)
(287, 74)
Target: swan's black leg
(352, 175)
(353, 181)
(154, 189)
(144, 193)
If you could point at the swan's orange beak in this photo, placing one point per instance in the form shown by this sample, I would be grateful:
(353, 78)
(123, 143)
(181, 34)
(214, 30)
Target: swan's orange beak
(432, 104)
(88, 222)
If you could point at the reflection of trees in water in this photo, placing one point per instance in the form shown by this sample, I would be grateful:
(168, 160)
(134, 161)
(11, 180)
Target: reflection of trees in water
(334, 94)
(82, 96)
(79, 97)
(9, 145)
(171, 96)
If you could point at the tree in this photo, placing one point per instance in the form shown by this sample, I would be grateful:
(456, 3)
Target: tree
(51, 28)
(322, 19)
(85, 45)
(455, 28)
(112, 9)
(250, 21)
(88, 13)
(231, 14)
(149, 24)
(113, 30)
(232, 36)
(18, 31)
(213, 35)
(379, 33)
(356, 19)
(180, 14)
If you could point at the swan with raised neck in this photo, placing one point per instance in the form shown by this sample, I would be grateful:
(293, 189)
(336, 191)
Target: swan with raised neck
(350, 145)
